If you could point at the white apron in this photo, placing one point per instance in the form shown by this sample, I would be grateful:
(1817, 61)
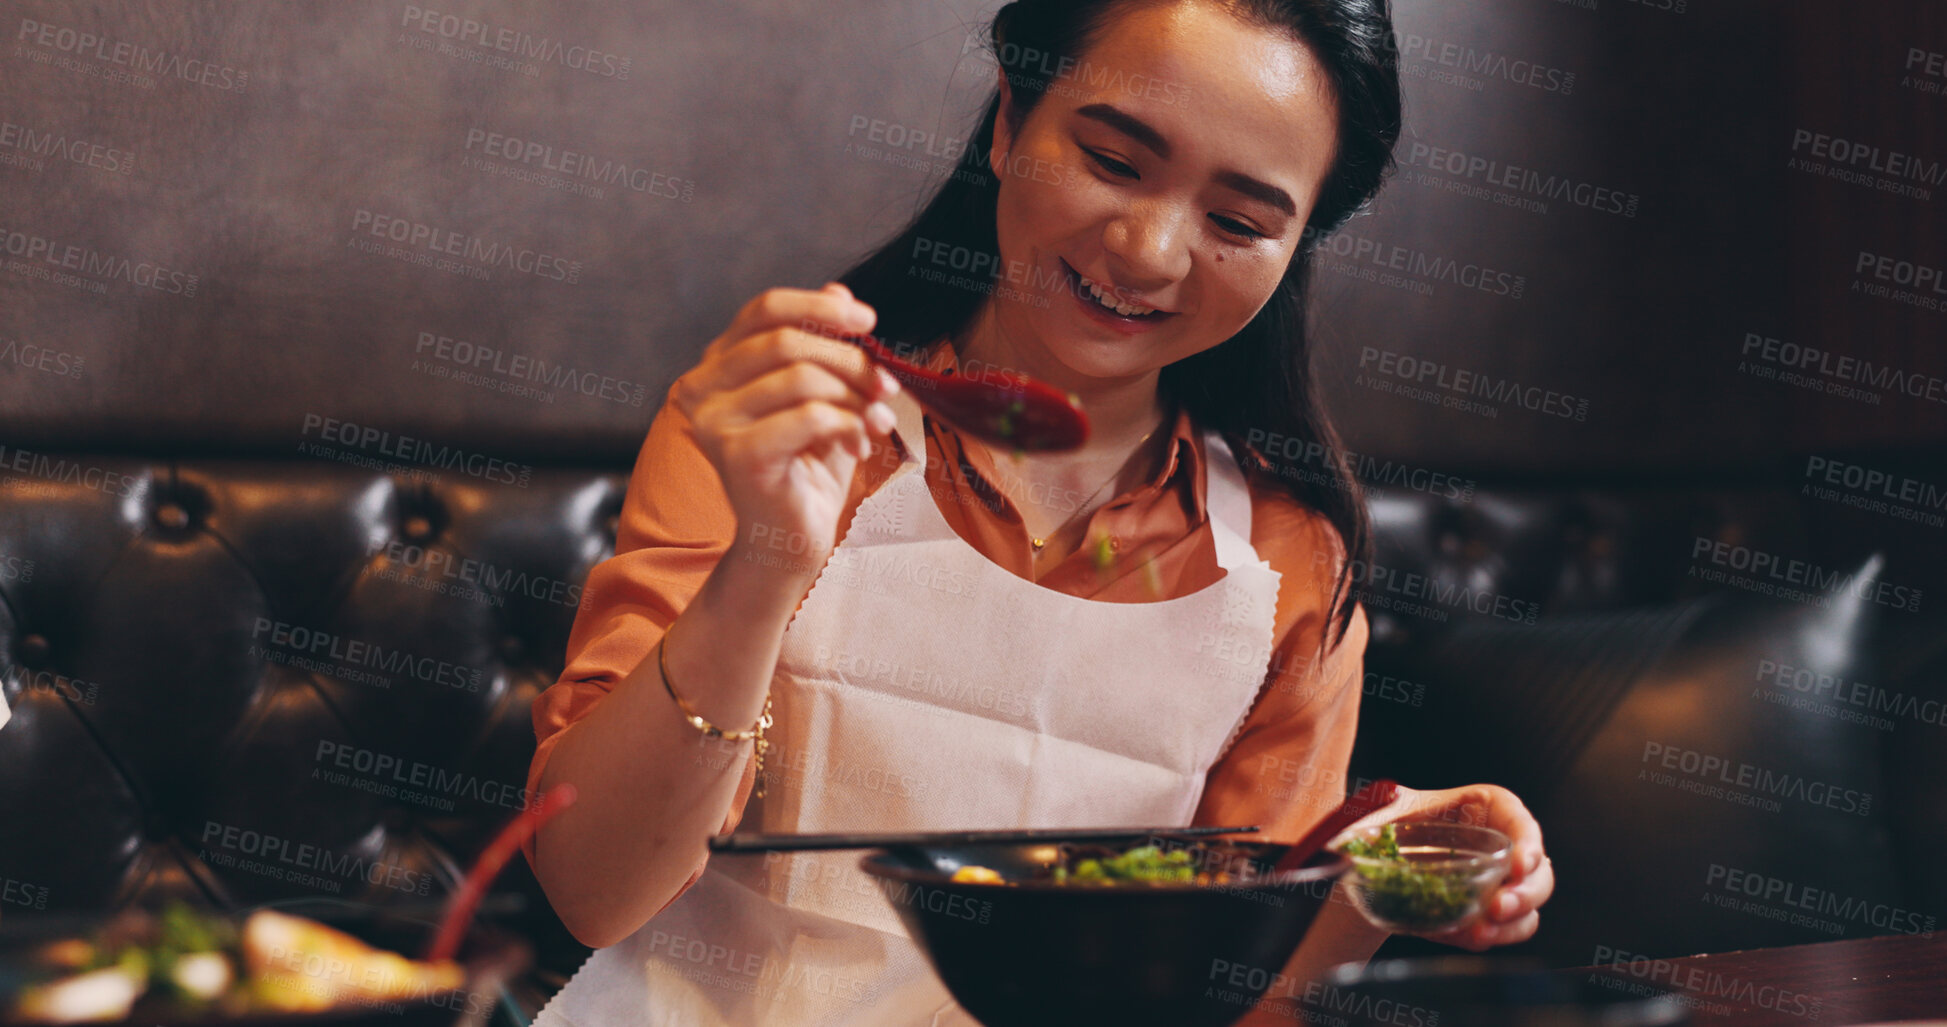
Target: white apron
(923, 687)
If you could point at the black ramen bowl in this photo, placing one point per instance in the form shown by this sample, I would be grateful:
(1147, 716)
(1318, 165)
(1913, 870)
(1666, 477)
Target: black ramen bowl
(489, 955)
(1031, 951)
(1476, 991)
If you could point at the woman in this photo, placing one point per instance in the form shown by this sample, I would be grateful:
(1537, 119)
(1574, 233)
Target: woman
(1153, 629)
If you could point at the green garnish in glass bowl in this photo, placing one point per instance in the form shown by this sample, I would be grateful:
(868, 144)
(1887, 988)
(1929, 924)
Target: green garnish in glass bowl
(1385, 846)
(1424, 877)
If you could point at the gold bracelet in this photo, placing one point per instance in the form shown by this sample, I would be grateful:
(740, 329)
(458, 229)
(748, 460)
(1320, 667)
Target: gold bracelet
(710, 730)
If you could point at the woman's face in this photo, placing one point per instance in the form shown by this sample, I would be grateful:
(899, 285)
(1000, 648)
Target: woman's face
(1170, 168)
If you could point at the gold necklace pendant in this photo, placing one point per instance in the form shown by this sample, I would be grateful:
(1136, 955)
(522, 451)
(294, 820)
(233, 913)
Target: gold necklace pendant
(1039, 543)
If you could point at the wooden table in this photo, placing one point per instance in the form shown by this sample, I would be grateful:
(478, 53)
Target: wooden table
(1836, 983)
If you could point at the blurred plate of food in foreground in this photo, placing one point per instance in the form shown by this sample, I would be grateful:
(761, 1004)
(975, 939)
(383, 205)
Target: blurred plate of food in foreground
(183, 965)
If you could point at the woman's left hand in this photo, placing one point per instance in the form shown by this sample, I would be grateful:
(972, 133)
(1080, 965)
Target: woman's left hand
(1512, 911)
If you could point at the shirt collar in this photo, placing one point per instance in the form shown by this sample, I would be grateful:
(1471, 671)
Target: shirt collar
(1182, 469)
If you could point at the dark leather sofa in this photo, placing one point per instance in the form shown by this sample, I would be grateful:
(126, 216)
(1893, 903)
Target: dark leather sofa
(250, 681)
(1722, 755)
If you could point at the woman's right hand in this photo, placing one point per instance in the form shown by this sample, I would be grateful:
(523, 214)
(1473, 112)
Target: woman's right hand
(785, 415)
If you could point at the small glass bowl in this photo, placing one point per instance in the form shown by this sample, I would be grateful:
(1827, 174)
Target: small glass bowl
(1439, 883)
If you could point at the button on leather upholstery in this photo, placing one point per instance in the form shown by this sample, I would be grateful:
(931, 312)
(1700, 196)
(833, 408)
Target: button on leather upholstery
(33, 650)
(157, 829)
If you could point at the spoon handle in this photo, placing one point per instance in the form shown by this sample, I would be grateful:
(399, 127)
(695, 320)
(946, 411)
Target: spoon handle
(1004, 409)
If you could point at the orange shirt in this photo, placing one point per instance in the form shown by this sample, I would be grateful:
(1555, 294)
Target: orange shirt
(1287, 767)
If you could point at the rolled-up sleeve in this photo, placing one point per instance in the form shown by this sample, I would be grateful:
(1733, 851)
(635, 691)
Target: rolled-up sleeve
(676, 523)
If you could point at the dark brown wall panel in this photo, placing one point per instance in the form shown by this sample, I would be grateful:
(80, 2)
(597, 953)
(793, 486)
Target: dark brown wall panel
(224, 219)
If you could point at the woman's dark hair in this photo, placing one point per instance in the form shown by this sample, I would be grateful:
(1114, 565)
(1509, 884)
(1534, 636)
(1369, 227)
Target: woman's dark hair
(1256, 384)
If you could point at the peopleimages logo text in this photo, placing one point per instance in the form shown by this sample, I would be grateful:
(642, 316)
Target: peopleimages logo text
(1704, 766)
(1815, 685)
(25, 139)
(1487, 63)
(1290, 455)
(1876, 483)
(492, 359)
(1358, 251)
(401, 771)
(576, 165)
(1472, 383)
(1872, 158)
(305, 860)
(66, 472)
(1808, 575)
(516, 42)
(132, 55)
(1843, 368)
(1709, 984)
(407, 232)
(1822, 901)
(1376, 582)
(87, 260)
(1599, 198)
(409, 450)
(298, 639)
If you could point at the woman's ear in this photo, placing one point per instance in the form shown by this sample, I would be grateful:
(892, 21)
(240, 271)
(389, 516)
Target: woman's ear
(1003, 130)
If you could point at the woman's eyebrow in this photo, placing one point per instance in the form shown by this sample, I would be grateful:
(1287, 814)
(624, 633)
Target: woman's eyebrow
(1142, 132)
(1258, 190)
(1129, 125)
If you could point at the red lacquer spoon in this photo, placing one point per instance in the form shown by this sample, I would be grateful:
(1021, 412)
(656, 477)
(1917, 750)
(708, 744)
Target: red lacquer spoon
(459, 909)
(1356, 805)
(1004, 410)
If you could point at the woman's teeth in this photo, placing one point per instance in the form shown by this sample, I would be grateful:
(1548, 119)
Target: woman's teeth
(1103, 297)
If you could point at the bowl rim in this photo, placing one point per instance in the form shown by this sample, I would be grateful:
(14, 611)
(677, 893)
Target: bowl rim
(877, 863)
(1500, 854)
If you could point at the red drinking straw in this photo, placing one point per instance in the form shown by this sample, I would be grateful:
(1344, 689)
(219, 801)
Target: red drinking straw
(493, 859)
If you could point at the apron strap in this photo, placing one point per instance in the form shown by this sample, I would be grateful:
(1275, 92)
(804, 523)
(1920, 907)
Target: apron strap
(1228, 498)
(910, 426)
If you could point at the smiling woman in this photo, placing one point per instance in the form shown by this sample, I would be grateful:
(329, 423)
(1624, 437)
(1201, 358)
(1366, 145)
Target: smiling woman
(1187, 182)
(918, 633)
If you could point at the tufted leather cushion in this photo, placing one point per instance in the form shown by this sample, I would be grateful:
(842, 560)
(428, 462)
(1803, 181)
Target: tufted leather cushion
(1652, 834)
(257, 681)
(1637, 656)
(262, 680)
